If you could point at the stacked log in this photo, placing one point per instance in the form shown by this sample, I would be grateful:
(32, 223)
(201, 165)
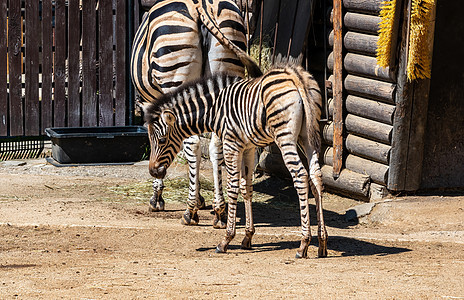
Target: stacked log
(369, 106)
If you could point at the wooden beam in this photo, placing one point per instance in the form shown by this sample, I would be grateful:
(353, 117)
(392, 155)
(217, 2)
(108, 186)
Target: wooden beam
(338, 88)
(421, 89)
(402, 116)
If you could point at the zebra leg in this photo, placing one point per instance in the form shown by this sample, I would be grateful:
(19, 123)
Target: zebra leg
(233, 164)
(193, 155)
(246, 188)
(300, 181)
(217, 158)
(156, 201)
(317, 188)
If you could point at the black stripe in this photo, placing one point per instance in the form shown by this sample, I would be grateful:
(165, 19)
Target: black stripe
(172, 48)
(228, 5)
(170, 84)
(178, 7)
(167, 30)
(170, 68)
(281, 123)
(232, 24)
(278, 111)
(269, 84)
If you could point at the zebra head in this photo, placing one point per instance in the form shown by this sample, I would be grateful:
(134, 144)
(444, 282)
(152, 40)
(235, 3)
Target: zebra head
(164, 147)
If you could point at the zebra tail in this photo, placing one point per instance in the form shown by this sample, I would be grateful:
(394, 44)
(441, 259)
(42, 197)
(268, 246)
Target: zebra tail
(213, 27)
(312, 102)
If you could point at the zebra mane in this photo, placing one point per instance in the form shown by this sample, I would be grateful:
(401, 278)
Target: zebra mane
(171, 98)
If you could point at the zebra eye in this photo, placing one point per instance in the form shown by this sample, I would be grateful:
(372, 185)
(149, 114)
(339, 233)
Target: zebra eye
(162, 141)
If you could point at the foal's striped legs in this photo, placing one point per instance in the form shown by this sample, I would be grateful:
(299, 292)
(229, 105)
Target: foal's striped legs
(246, 188)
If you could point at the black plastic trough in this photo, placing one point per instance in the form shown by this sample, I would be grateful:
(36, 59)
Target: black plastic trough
(71, 145)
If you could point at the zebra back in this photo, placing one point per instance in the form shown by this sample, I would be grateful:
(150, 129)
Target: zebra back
(171, 48)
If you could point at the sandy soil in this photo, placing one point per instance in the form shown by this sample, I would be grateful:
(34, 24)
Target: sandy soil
(81, 233)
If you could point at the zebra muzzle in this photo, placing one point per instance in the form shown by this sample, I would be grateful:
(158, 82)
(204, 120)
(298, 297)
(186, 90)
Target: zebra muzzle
(158, 172)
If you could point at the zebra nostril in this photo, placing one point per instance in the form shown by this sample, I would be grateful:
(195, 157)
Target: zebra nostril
(161, 172)
(158, 172)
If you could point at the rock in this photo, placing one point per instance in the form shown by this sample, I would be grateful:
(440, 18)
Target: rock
(13, 163)
(359, 211)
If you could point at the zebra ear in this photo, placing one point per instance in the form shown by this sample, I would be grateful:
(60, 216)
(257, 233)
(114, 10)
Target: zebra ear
(168, 117)
(142, 105)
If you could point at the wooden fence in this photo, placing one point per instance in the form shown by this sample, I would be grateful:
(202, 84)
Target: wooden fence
(62, 64)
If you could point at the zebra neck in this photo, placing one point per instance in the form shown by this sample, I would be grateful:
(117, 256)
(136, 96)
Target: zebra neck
(194, 121)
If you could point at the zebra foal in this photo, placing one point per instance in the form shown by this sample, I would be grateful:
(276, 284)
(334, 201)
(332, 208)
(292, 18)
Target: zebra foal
(282, 106)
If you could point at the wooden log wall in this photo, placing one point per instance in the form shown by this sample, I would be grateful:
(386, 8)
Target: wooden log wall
(369, 107)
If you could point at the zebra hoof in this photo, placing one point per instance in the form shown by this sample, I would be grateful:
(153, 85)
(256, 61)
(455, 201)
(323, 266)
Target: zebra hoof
(189, 218)
(246, 244)
(303, 250)
(221, 248)
(156, 204)
(220, 221)
(322, 251)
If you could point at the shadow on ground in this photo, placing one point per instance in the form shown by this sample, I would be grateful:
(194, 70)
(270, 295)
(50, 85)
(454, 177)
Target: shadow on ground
(282, 209)
(346, 246)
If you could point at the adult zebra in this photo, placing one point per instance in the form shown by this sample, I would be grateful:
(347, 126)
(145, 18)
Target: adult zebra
(284, 105)
(179, 41)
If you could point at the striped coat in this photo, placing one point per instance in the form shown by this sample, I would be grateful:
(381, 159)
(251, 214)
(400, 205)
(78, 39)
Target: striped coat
(282, 106)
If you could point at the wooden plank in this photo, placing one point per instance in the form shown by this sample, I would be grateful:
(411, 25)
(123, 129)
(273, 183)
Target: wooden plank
(74, 101)
(3, 70)
(358, 42)
(375, 89)
(60, 65)
(31, 103)
(136, 13)
(364, 66)
(367, 108)
(364, 6)
(303, 17)
(47, 65)
(402, 117)
(14, 68)
(338, 89)
(105, 91)
(287, 15)
(120, 64)
(89, 83)
(417, 135)
(368, 128)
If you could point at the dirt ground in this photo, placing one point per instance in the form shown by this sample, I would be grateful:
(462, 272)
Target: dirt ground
(86, 233)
